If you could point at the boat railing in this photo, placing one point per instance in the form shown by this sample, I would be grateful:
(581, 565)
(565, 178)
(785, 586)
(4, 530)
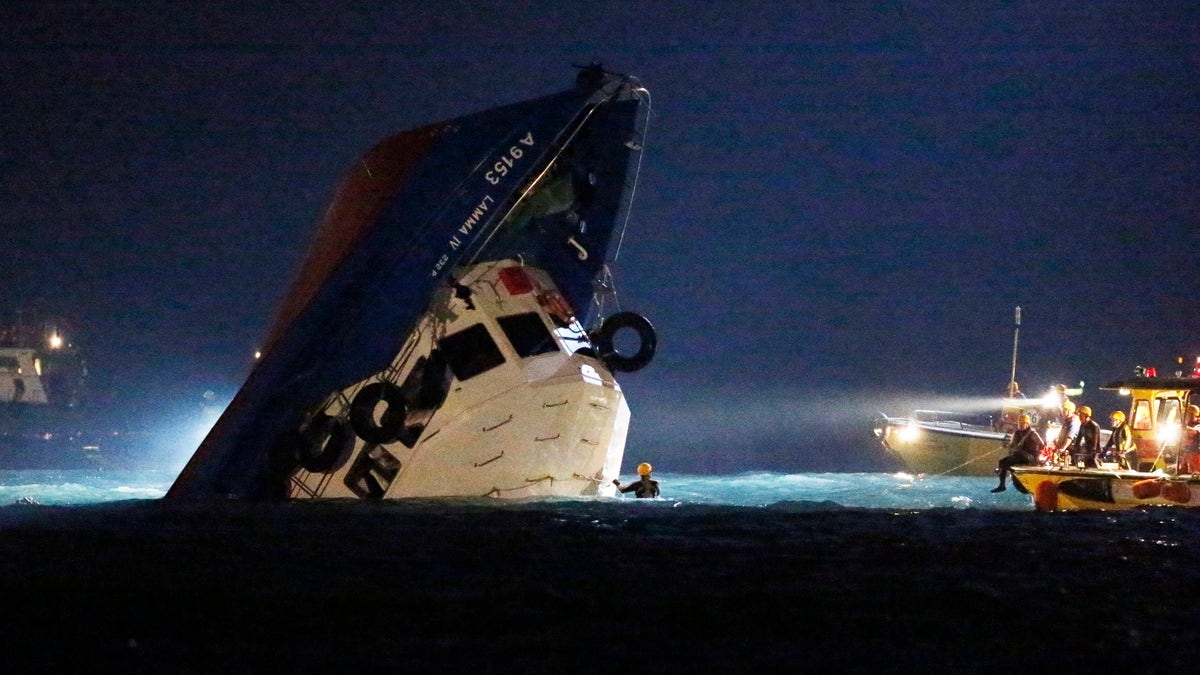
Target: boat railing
(952, 420)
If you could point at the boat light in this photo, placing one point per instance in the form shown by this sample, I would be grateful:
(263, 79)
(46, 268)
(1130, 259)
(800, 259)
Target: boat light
(56, 341)
(516, 281)
(1168, 434)
(910, 432)
(1123, 391)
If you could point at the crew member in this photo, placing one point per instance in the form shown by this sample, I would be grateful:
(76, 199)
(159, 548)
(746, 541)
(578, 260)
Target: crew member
(1068, 432)
(1023, 448)
(1189, 441)
(644, 487)
(1087, 441)
(1120, 446)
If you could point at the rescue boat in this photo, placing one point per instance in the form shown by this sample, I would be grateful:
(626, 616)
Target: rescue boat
(1167, 473)
(944, 443)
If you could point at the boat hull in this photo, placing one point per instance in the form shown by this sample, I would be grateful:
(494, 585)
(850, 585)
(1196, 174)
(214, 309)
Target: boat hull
(945, 448)
(1059, 488)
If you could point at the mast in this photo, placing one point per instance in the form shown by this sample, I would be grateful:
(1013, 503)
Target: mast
(1012, 378)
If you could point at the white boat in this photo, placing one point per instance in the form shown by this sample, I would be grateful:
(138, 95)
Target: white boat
(452, 332)
(498, 393)
(961, 443)
(942, 443)
(44, 423)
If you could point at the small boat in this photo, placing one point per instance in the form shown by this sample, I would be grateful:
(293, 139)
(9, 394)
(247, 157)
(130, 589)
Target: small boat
(936, 442)
(971, 443)
(44, 421)
(453, 331)
(1166, 473)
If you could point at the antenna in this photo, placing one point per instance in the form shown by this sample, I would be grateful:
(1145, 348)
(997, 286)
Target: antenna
(1016, 334)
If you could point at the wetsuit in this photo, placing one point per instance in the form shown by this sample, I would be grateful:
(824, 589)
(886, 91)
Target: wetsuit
(1087, 443)
(643, 488)
(1023, 449)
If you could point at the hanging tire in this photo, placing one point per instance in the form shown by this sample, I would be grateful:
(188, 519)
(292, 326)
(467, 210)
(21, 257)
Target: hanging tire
(326, 444)
(284, 455)
(362, 413)
(617, 361)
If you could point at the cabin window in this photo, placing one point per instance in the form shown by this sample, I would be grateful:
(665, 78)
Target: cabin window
(528, 335)
(470, 352)
(8, 364)
(1168, 412)
(372, 473)
(1141, 415)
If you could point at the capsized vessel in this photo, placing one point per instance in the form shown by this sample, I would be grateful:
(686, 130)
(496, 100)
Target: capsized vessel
(434, 342)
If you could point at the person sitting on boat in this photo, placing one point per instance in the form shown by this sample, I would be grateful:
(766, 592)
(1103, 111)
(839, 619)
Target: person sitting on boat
(1087, 440)
(1023, 448)
(645, 487)
(1189, 440)
(1066, 435)
(1120, 446)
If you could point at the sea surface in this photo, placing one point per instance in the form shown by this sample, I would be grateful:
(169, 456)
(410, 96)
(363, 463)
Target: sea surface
(756, 572)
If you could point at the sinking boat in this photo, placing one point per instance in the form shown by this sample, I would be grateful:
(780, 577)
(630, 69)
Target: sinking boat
(453, 331)
(1167, 474)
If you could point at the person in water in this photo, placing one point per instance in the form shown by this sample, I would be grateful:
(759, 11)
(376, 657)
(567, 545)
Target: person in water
(1023, 448)
(1120, 446)
(645, 487)
(1087, 441)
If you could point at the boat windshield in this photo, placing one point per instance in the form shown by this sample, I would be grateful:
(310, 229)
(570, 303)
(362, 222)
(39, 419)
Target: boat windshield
(470, 352)
(528, 335)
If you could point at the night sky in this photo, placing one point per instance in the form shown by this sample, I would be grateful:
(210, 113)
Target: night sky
(839, 207)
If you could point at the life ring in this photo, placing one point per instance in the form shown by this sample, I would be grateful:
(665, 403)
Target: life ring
(1148, 488)
(390, 424)
(1045, 496)
(615, 360)
(325, 444)
(1176, 491)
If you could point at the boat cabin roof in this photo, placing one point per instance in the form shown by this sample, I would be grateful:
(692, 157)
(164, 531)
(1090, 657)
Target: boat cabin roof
(1156, 383)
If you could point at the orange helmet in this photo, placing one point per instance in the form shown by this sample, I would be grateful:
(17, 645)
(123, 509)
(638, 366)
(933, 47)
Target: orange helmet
(644, 469)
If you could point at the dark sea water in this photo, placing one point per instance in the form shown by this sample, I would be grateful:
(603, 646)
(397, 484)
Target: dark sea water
(747, 573)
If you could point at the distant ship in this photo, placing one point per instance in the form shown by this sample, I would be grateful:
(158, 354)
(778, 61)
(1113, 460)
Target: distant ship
(43, 379)
(454, 331)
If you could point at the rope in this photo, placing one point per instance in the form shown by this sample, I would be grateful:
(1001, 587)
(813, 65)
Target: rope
(972, 461)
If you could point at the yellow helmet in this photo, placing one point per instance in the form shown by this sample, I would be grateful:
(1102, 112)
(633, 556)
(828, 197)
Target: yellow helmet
(1085, 410)
(1024, 419)
(1118, 416)
(644, 469)
(1068, 406)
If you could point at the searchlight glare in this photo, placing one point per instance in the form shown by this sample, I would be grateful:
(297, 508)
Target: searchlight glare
(1168, 434)
(910, 432)
(56, 341)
